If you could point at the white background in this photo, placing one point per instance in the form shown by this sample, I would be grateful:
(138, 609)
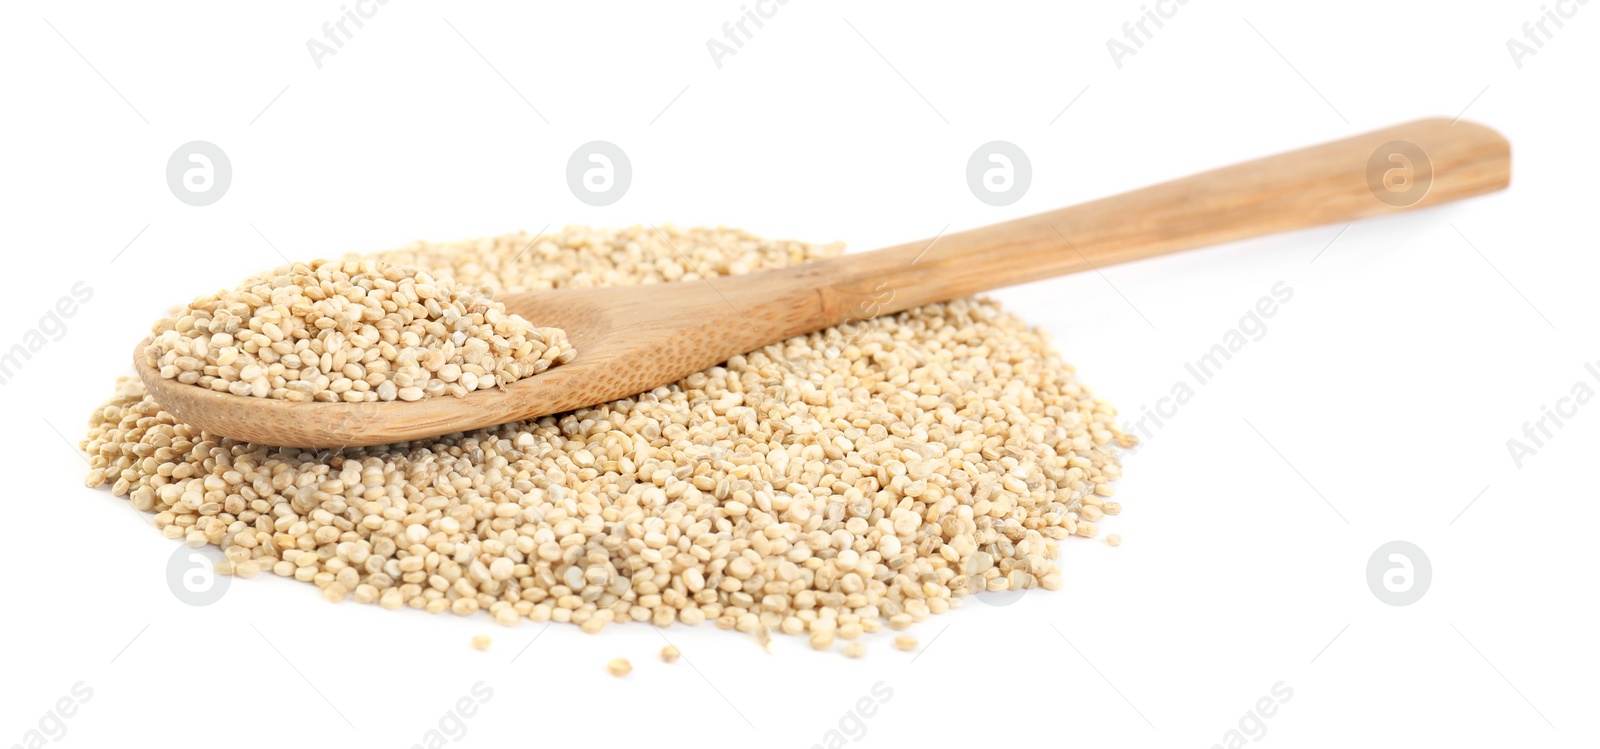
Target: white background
(1385, 391)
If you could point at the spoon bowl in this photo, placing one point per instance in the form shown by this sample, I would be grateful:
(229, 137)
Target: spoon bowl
(626, 343)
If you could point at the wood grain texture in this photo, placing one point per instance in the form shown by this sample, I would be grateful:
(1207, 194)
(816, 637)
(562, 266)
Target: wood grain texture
(635, 338)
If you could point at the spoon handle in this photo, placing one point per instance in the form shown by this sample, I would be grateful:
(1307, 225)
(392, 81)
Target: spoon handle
(1401, 168)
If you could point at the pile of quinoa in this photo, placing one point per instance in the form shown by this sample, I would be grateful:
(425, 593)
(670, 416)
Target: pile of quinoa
(352, 331)
(828, 485)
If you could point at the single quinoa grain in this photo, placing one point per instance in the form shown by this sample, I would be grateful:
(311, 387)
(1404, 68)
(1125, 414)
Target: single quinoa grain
(670, 654)
(1113, 539)
(619, 667)
(905, 642)
(824, 486)
(481, 642)
(855, 650)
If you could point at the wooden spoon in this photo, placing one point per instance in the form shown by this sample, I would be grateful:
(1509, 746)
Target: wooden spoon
(634, 338)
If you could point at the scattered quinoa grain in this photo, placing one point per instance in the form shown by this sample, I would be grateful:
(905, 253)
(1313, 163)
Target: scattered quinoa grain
(905, 642)
(855, 650)
(619, 667)
(481, 642)
(670, 654)
(1113, 539)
